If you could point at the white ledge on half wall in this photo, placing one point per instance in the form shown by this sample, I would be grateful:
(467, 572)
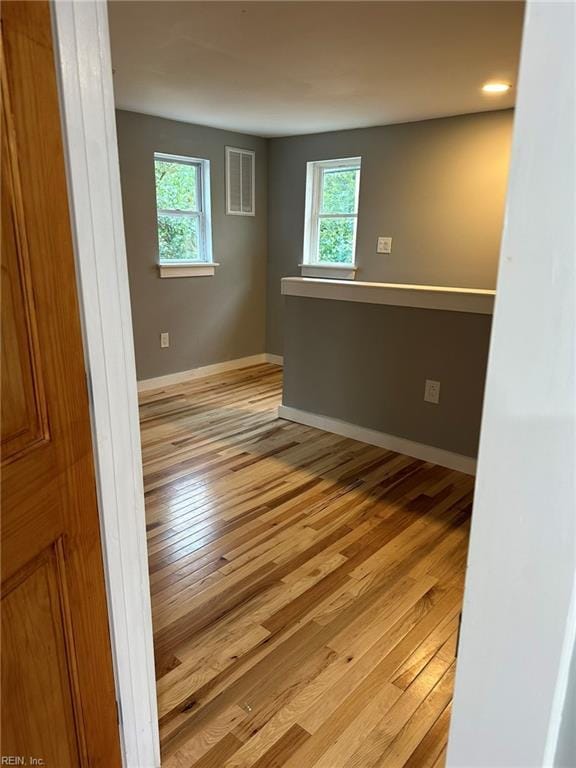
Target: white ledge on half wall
(475, 300)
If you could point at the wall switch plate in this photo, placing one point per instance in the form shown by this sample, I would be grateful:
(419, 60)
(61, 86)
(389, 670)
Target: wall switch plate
(432, 391)
(164, 340)
(384, 245)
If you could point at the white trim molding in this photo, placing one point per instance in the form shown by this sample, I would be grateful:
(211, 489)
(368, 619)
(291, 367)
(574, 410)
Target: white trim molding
(475, 300)
(180, 377)
(196, 269)
(466, 464)
(87, 105)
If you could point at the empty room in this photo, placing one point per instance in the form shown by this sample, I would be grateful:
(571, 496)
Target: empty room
(313, 199)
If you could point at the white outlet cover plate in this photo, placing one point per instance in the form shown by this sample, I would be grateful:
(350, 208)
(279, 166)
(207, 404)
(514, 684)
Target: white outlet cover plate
(384, 245)
(432, 391)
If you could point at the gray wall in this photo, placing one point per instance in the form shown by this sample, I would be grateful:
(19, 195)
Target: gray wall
(366, 364)
(210, 319)
(437, 187)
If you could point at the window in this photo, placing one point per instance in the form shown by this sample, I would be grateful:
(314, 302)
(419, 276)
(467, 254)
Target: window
(183, 216)
(332, 188)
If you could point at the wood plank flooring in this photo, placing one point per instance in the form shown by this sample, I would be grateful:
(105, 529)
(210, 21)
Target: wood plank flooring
(306, 588)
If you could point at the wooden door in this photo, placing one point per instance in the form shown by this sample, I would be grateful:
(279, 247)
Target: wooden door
(58, 699)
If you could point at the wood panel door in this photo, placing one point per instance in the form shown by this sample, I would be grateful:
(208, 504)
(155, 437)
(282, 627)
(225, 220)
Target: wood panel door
(58, 698)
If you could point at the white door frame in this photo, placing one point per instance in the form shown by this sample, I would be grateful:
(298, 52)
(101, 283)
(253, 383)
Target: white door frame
(82, 51)
(84, 67)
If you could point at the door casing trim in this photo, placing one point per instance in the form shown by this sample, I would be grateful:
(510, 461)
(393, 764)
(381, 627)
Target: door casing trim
(84, 71)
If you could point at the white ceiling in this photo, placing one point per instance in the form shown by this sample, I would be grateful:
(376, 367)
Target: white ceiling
(284, 68)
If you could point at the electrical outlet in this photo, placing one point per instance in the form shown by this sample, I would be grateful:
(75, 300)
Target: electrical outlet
(384, 245)
(164, 340)
(432, 391)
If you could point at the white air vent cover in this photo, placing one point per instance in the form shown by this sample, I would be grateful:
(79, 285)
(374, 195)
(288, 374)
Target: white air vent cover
(240, 182)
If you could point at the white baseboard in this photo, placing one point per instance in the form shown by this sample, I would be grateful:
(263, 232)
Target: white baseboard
(457, 461)
(207, 370)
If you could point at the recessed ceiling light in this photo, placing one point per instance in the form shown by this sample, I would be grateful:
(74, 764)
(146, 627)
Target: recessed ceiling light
(496, 87)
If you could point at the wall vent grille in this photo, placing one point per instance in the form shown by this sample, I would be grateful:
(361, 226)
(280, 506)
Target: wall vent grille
(240, 182)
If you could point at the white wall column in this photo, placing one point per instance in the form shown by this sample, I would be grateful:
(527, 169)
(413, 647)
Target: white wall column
(518, 624)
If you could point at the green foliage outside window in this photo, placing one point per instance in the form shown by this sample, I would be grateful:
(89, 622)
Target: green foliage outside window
(176, 186)
(339, 191)
(336, 235)
(336, 241)
(178, 238)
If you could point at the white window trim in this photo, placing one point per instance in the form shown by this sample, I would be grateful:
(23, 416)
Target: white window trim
(310, 266)
(205, 265)
(252, 153)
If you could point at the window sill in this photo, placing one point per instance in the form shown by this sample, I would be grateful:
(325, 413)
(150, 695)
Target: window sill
(200, 269)
(340, 271)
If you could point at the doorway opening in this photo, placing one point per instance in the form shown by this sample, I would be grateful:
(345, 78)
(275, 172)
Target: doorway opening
(312, 252)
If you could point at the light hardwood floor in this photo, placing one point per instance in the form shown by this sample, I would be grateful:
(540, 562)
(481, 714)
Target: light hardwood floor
(306, 588)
